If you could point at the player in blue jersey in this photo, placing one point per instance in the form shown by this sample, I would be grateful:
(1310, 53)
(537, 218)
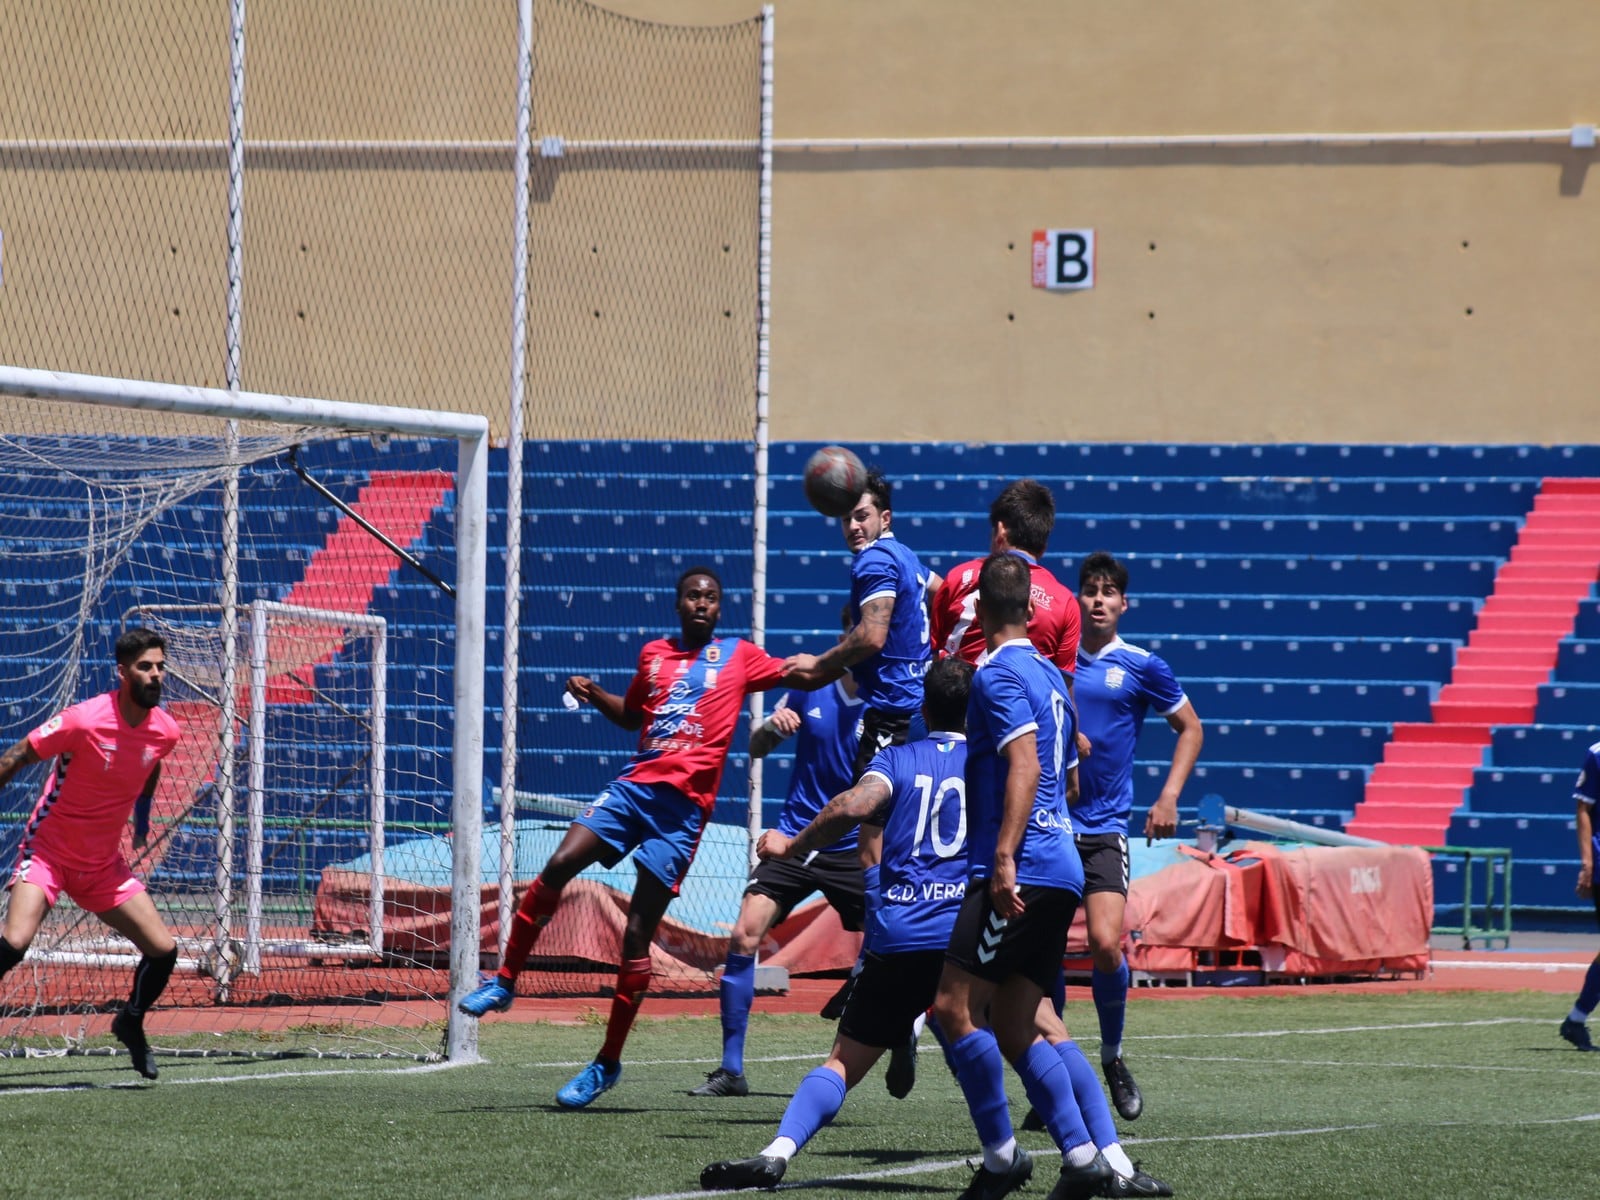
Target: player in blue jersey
(1117, 684)
(1587, 793)
(888, 646)
(1024, 884)
(916, 791)
(828, 724)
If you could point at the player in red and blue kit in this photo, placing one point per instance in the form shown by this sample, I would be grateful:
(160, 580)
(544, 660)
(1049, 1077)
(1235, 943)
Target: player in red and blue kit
(1587, 794)
(1025, 881)
(1117, 684)
(828, 724)
(1020, 521)
(917, 791)
(108, 752)
(684, 699)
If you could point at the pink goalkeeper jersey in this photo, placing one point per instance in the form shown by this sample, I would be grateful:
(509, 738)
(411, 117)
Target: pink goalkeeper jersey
(102, 763)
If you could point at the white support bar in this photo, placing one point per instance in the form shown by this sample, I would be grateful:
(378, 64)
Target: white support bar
(107, 392)
(1280, 827)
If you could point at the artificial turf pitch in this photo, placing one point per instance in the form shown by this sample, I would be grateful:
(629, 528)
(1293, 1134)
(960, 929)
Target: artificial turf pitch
(1308, 1095)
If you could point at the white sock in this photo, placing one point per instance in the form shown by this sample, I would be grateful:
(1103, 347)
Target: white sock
(1109, 1054)
(919, 1025)
(782, 1147)
(1080, 1156)
(1119, 1160)
(1578, 1015)
(998, 1158)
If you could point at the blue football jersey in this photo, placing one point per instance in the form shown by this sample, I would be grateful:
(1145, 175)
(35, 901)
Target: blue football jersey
(1114, 690)
(824, 756)
(922, 876)
(1587, 789)
(891, 680)
(1019, 691)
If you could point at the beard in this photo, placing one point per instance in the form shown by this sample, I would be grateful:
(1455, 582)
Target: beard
(147, 695)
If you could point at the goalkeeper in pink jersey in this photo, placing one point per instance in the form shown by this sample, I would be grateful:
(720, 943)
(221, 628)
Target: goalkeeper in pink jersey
(108, 753)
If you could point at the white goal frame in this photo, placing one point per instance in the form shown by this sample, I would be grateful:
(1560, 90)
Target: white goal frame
(471, 433)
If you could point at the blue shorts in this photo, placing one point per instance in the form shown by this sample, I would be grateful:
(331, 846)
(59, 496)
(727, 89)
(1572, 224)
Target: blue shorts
(656, 821)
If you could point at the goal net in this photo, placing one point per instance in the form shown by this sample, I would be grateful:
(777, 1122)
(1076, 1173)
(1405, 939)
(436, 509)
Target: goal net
(313, 672)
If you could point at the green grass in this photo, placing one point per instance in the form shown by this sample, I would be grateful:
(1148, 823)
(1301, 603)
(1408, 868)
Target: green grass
(1457, 1095)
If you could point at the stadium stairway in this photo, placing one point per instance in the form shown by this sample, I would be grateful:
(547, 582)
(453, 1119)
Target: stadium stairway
(1428, 766)
(351, 565)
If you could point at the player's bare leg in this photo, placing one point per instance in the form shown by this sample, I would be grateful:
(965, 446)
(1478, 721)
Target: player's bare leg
(26, 912)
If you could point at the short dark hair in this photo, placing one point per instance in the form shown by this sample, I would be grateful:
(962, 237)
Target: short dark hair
(692, 572)
(1004, 585)
(1029, 511)
(1101, 565)
(944, 694)
(879, 488)
(134, 642)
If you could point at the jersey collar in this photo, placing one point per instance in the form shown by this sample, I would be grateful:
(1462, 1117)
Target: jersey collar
(1115, 643)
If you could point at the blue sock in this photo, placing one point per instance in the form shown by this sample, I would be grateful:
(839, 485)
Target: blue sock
(1049, 1087)
(737, 995)
(1590, 995)
(1087, 1092)
(1058, 994)
(980, 1070)
(1111, 1004)
(816, 1101)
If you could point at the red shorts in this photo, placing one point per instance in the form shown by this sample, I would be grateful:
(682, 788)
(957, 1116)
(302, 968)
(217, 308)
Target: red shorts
(96, 889)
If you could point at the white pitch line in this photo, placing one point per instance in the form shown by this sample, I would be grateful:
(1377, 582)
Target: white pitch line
(254, 1077)
(1347, 1064)
(1543, 968)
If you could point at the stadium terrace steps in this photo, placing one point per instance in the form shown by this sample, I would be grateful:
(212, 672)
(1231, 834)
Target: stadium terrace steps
(343, 575)
(1499, 675)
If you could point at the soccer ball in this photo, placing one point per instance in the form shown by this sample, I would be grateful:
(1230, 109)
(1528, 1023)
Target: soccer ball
(834, 481)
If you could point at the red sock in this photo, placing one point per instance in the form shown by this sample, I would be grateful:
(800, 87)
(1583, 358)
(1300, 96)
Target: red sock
(633, 980)
(532, 915)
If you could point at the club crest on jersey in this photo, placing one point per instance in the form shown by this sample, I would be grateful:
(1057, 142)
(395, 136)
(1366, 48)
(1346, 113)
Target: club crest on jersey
(147, 755)
(713, 653)
(1114, 677)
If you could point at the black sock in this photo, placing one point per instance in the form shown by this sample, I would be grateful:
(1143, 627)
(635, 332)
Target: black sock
(149, 981)
(10, 956)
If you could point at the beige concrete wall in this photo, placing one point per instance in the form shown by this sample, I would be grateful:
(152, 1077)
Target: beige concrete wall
(1370, 294)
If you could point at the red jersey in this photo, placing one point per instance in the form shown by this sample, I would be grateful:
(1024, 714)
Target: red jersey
(102, 763)
(1053, 629)
(691, 700)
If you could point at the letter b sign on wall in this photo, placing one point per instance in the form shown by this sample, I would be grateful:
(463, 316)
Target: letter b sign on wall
(1063, 259)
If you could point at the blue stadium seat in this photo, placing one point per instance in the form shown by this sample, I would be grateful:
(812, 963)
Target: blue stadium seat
(1441, 617)
(1568, 704)
(1526, 835)
(1260, 786)
(1375, 701)
(1587, 625)
(1077, 496)
(1212, 534)
(1578, 661)
(1549, 746)
(1521, 790)
(1250, 656)
(1322, 575)
(1356, 743)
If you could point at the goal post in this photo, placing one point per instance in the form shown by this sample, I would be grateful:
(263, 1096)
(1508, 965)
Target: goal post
(295, 417)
